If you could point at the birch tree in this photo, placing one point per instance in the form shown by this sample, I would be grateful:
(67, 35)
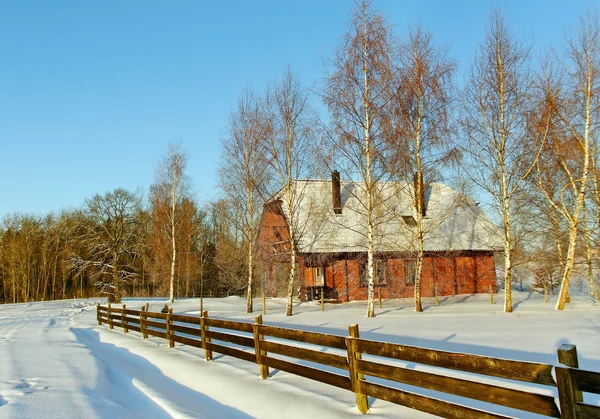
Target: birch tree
(421, 144)
(288, 146)
(167, 194)
(570, 100)
(498, 152)
(243, 175)
(357, 91)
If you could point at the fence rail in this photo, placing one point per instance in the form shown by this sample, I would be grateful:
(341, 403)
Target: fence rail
(291, 350)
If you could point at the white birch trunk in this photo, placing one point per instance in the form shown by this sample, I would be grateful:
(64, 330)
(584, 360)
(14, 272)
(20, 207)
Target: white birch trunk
(370, 271)
(588, 251)
(368, 181)
(507, 254)
(292, 233)
(590, 266)
(249, 307)
(419, 264)
(418, 185)
(250, 208)
(505, 194)
(174, 254)
(574, 217)
(290, 290)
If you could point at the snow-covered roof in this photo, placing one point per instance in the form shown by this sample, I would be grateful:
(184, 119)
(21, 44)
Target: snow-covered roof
(453, 221)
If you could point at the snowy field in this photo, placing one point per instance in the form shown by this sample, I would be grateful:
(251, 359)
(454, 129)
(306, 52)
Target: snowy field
(56, 362)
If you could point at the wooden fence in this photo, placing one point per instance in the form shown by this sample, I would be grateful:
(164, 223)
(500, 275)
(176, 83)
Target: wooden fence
(347, 361)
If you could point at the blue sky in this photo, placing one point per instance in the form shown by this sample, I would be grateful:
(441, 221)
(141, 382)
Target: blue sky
(92, 92)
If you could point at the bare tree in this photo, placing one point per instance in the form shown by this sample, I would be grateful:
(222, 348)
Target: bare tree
(243, 175)
(288, 147)
(357, 91)
(498, 149)
(569, 98)
(204, 245)
(420, 143)
(108, 230)
(167, 193)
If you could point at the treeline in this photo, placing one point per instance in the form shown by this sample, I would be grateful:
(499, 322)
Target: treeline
(115, 245)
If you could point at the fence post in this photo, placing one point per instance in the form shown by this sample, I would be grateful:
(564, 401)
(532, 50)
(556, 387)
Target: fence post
(147, 307)
(108, 311)
(362, 402)
(380, 303)
(491, 295)
(169, 333)
(567, 355)
(264, 370)
(98, 315)
(322, 299)
(142, 321)
(437, 303)
(566, 393)
(545, 292)
(205, 340)
(123, 321)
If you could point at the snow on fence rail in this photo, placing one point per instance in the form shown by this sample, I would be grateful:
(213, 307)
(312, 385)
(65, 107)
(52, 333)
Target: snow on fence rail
(349, 359)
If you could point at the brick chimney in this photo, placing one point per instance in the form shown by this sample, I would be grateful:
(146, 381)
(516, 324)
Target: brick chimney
(420, 194)
(336, 192)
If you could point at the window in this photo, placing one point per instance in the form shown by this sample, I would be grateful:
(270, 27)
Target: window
(410, 272)
(380, 275)
(318, 276)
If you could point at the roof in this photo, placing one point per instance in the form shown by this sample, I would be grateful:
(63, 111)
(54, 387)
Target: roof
(452, 222)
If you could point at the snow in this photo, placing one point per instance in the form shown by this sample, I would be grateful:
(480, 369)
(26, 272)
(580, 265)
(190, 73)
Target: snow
(56, 362)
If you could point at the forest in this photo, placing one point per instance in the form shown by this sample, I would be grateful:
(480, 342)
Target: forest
(517, 131)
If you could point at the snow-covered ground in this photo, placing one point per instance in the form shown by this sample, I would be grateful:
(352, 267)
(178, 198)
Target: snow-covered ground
(56, 362)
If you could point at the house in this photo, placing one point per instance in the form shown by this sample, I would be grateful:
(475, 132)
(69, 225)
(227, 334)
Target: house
(459, 240)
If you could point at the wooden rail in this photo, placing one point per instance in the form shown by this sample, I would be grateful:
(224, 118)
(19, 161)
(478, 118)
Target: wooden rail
(359, 365)
(265, 348)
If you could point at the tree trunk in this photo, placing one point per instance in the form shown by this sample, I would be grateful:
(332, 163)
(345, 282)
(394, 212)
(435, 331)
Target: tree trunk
(173, 248)
(117, 289)
(506, 221)
(368, 181)
(419, 270)
(290, 291)
(567, 268)
(370, 270)
(249, 307)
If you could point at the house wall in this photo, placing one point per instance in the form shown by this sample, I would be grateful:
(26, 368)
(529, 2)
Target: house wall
(467, 273)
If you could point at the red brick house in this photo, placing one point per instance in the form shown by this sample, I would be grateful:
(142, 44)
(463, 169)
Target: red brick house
(459, 244)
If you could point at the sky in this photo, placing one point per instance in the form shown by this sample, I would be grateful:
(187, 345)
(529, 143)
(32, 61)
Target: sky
(93, 92)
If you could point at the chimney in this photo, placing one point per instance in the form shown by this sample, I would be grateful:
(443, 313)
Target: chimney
(420, 194)
(336, 192)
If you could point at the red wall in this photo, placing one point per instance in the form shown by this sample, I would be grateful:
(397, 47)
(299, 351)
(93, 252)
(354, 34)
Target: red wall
(464, 274)
(461, 273)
